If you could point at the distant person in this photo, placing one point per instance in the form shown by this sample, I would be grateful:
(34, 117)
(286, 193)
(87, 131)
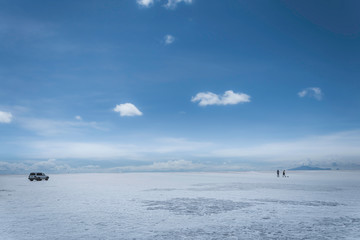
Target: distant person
(278, 173)
(284, 174)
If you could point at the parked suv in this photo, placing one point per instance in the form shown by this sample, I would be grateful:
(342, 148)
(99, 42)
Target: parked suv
(38, 176)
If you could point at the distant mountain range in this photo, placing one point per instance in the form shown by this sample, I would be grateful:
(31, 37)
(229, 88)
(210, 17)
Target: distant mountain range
(308, 168)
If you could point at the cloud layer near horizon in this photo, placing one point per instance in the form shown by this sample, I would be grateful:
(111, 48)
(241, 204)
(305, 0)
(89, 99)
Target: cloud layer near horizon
(339, 145)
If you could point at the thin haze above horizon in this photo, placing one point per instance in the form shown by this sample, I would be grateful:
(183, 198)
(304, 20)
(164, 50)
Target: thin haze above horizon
(178, 85)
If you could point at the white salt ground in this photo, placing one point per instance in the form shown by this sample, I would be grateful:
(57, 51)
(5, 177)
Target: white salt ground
(244, 205)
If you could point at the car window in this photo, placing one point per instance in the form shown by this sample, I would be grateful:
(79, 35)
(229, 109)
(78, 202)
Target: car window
(32, 173)
(39, 174)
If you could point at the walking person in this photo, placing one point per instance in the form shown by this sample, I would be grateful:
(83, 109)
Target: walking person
(284, 174)
(278, 173)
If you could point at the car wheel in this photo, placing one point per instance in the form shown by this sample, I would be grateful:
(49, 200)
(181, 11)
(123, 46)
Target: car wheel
(31, 179)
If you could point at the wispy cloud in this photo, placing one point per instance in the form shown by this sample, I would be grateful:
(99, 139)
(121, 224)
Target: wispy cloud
(172, 4)
(50, 127)
(146, 150)
(172, 145)
(228, 98)
(78, 118)
(5, 117)
(84, 150)
(127, 110)
(23, 29)
(172, 165)
(145, 3)
(169, 39)
(313, 92)
(341, 144)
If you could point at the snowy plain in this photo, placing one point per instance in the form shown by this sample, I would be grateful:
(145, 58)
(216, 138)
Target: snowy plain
(237, 205)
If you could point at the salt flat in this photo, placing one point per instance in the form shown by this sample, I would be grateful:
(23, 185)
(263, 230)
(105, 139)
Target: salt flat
(242, 205)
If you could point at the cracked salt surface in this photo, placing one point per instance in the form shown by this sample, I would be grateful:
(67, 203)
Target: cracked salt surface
(303, 203)
(246, 205)
(335, 228)
(196, 206)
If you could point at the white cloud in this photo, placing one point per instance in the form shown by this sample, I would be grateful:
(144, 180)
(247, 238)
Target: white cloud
(234, 98)
(127, 109)
(207, 98)
(5, 117)
(171, 4)
(169, 39)
(78, 118)
(313, 92)
(229, 97)
(145, 3)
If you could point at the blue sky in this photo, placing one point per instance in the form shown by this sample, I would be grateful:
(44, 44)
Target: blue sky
(141, 85)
